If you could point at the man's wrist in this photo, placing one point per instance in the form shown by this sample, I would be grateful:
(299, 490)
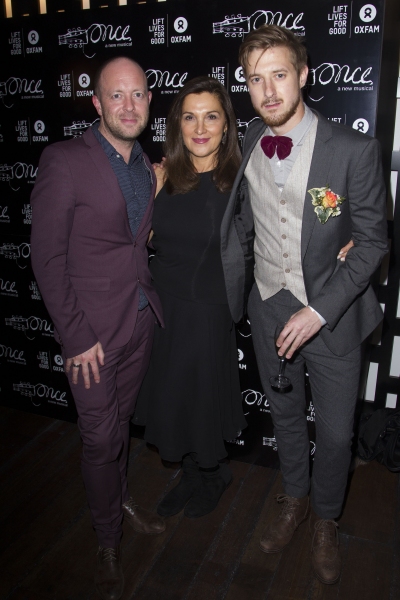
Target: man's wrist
(321, 318)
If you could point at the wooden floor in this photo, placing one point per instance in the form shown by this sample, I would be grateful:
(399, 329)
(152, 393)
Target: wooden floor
(48, 547)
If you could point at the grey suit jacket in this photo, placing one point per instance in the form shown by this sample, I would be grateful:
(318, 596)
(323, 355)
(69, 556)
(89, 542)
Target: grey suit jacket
(349, 163)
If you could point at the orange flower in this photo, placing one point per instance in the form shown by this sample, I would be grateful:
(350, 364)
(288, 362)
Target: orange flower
(329, 200)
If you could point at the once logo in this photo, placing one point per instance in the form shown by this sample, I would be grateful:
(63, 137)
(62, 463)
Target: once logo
(13, 251)
(239, 75)
(32, 323)
(38, 324)
(155, 77)
(16, 85)
(254, 397)
(39, 391)
(368, 13)
(3, 213)
(7, 352)
(237, 25)
(33, 37)
(17, 171)
(97, 32)
(333, 73)
(39, 126)
(84, 80)
(361, 125)
(8, 287)
(180, 24)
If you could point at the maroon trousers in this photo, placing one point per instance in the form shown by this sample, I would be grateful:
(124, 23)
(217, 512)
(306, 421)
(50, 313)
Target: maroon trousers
(104, 412)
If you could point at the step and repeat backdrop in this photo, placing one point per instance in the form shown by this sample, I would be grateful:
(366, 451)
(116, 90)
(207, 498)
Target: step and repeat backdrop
(46, 89)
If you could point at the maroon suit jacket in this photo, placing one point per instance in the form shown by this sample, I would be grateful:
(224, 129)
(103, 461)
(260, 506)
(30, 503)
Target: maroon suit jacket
(85, 259)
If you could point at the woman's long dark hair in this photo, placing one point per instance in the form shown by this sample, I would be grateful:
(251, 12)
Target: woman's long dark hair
(181, 175)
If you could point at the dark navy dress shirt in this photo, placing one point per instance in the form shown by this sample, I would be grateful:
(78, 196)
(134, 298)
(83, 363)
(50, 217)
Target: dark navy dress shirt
(135, 181)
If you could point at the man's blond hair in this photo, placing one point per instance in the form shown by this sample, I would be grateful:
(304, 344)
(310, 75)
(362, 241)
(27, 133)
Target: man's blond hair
(272, 36)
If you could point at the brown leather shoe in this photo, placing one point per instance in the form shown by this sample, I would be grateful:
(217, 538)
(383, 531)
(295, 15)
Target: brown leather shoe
(109, 579)
(325, 554)
(142, 520)
(280, 531)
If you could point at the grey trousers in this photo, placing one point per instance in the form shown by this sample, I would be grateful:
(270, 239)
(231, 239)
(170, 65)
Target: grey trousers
(334, 385)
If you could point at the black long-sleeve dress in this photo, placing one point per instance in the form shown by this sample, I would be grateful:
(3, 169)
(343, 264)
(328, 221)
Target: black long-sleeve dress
(190, 400)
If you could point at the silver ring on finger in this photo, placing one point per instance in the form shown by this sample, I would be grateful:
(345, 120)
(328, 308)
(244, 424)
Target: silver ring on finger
(76, 366)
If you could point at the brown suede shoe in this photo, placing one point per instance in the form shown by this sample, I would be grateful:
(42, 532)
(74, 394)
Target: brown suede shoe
(280, 531)
(109, 579)
(325, 554)
(142, 520)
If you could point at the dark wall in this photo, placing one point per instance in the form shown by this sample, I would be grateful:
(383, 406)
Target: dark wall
(46, 88)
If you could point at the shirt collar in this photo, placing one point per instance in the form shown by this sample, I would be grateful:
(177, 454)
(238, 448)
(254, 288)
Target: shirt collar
(109, 149)
(297, 133)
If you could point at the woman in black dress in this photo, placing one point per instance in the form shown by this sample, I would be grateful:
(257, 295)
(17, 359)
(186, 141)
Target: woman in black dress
(190, 400)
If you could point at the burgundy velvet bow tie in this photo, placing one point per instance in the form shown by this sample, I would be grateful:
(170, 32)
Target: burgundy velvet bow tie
(281, 143)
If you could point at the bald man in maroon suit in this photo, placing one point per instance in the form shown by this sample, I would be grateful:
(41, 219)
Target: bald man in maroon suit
(92, 208)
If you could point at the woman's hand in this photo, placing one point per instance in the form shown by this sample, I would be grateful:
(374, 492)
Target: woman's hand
(343, 251)
(159, 169)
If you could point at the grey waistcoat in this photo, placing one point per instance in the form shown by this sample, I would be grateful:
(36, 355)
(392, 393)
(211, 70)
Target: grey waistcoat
(278, 221)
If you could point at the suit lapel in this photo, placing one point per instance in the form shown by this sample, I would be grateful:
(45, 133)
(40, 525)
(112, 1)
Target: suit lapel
(318, 177)
(250, 141)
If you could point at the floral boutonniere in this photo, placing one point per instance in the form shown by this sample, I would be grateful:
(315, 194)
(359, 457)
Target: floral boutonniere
(326, 202)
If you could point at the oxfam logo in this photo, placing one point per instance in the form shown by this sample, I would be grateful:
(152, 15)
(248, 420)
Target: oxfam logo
(33, 37)
(39, 127)
(368, 13)
(361, 125)
(58, 360)
(180, 25)
(239, 75)
(84, 80)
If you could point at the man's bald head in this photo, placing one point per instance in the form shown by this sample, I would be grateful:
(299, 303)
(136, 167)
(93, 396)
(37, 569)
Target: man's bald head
(102, 70)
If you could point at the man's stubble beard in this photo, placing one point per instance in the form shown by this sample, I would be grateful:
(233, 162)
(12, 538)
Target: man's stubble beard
(279, 120)
(120, 134)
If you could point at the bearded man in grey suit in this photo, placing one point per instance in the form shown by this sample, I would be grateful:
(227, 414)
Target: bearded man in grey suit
(290, 213)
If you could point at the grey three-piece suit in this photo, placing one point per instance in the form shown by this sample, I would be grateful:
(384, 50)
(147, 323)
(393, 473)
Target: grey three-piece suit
(349, 163)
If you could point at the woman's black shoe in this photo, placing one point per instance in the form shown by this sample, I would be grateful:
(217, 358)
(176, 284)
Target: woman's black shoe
(189, 483)
(213, 485)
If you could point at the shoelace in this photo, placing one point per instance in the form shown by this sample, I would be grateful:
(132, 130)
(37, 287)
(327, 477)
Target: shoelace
(288, 506)
(109, 554)
(328, 534)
